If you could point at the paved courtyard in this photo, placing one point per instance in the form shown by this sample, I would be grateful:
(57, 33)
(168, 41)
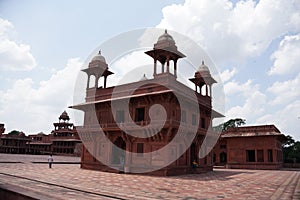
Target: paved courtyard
(68, 181)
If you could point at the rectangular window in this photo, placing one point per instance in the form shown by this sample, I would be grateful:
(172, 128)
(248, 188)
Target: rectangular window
(140, 114)
(140, 149)
(250, 155)
(223, 146)
(120, 116)
(193, 119)
(260, 155)
(203, 122)
(270, 155)
(183, 116)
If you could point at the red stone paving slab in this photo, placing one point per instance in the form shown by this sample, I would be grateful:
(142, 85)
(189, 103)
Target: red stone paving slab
(219, 184)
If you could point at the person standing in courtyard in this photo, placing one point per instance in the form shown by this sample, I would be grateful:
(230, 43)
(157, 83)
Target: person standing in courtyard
(50, 160)
(122, 163)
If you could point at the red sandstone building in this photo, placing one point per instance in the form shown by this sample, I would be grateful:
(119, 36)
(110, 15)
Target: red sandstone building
(15, 142)
(39, 144)
(250, 147)
(63, 139)
(2, 129)
(99, 104)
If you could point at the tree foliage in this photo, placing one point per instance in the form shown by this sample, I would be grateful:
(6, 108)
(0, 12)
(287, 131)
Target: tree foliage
(232, 123)
(291, 150)
(14, 132)
(288, 142)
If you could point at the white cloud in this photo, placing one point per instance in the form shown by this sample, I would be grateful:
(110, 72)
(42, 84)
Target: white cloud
(286, 119)
(14, 56)
(252, 100)
(32, 107)
(137, 62)
(233, 32)
(286, 91)
(5, 27)
(253, 107)
(234, 88)
(257, 108)
(286, 58)
(236, 32)
(227, 74)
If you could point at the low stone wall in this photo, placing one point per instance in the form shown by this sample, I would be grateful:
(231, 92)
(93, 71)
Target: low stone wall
(291, 165)
(12, 192)
(254, 166)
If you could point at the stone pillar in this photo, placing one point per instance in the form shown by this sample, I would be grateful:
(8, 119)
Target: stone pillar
(168, 64)
(88, 82)
(96, 81)
(105, 78)
(155, 65)
(163, 68)
(175, 68)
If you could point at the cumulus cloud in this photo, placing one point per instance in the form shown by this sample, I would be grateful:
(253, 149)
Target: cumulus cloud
(137, 62)
(14, 56)
(233, 32)
(234, 88)
(253, 107)
(32, 105)
(286, 119)
(227, 74)
(253, 100)
(279, 104)
(285, 91)
(286, 57)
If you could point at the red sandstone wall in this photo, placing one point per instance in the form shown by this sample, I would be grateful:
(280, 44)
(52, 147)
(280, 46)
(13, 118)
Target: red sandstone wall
(236, 152)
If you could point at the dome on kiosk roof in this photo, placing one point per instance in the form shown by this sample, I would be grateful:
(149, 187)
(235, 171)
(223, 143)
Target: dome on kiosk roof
(165, 37)
(203, 68)
(99, 57)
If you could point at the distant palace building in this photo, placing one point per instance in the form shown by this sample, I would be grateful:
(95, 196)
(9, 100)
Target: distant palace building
(39, 144)
(63, 139)
(250, 147)
(2, 129)
(150, 93)
(15, 142)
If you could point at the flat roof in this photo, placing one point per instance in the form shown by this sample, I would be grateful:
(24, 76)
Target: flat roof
(251, 131)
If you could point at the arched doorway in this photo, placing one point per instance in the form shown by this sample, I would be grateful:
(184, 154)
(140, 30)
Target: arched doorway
(214, 157)
(223, 157)
(193, 153)
(117, 151)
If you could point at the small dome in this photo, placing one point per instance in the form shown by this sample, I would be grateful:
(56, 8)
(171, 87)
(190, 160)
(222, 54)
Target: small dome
(21, 134)
(64, 116)
(165, 37)
(99, 57)
(203, 68)
(41, 133)
(144, 78)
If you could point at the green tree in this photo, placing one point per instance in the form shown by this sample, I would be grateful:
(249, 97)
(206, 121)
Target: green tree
(14, 132)
(232, 123)
(288, 142)
(291, 150)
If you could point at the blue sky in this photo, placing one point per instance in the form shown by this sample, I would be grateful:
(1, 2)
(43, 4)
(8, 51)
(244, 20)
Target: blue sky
(254, 44)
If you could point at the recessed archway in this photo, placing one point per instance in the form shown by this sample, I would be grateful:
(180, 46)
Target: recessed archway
(118, 151)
